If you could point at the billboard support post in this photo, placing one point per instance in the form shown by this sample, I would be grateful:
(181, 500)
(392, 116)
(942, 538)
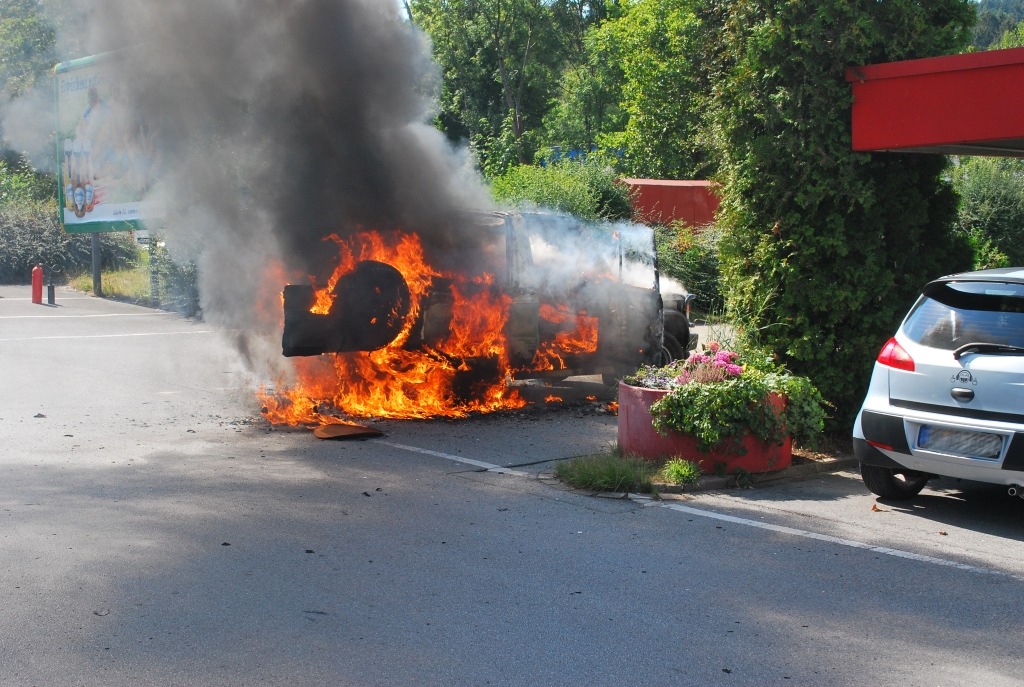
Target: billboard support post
(97, 261)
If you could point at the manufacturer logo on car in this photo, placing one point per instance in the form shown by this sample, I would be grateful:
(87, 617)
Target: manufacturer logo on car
(963, 377)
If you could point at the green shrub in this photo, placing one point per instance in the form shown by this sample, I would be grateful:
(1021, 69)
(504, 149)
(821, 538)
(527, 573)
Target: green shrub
(176, 285)
(22, 186)
(991, 210)
(32, 234)
(585, 189)
(690, 256)
(826, 248)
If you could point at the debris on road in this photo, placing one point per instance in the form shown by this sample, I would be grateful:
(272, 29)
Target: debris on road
(346, 431)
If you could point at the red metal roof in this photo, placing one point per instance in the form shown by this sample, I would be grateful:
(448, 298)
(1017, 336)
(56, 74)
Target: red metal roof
(970, 104)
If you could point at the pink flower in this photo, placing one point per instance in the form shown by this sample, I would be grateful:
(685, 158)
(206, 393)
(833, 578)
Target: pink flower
(696, 359)
(715, 364)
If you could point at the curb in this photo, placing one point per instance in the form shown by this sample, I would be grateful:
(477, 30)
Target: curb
(795, 472)
(713, 483)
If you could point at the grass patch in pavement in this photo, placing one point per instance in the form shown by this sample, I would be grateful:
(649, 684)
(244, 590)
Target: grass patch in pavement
(680, 471)
(615, 472)
(607, 472)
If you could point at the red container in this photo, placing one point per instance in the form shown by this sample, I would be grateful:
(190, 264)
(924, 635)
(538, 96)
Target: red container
(638, 437)
(37, 284)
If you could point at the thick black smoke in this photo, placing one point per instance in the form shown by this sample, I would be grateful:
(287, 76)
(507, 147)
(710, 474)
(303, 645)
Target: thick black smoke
(279, 122)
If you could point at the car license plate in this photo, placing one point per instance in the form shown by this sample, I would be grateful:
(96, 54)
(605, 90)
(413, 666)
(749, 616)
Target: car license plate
(959, 442)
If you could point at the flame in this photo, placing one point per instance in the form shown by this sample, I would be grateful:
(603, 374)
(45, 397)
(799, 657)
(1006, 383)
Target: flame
(459, 371)
(394, 382)
(552, 399)
(581, 339)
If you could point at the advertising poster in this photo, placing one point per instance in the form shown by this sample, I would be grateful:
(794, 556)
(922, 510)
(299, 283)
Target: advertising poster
(106, 158)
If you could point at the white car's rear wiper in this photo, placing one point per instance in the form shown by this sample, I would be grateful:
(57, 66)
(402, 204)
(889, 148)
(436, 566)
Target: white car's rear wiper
(996, 348)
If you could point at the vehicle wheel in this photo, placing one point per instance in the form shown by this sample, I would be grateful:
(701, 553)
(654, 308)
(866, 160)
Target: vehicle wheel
(671, 349)
(892, 484)
(677, 326)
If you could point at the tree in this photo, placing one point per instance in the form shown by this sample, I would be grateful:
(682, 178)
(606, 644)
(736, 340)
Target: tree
(500, 60)
(825, 247)
(27, 47)
(27, 56)
(660, 49)
(587, 105)
(1013, 37)
(995, 18)
(991, 192)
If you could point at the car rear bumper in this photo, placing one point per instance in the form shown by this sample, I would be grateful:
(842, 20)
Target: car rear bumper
(884, 440)
(867, 454)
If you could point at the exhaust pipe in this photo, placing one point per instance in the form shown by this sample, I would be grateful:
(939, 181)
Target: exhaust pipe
(1015, 490)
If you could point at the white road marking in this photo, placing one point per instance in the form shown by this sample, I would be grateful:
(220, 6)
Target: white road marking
(63, 298)
(55, 316)
(782, 529)
(898, 553)
(489, 467)
(107, 336)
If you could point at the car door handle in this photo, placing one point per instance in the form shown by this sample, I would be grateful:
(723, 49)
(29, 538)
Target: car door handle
(962, 394)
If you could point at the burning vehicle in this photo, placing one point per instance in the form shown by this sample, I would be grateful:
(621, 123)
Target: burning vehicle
(414, 308)
(547, 297)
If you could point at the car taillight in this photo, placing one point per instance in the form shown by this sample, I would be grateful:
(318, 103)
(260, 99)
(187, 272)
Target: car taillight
(894, 355)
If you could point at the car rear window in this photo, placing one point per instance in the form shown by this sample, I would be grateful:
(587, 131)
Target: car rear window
(952, 314)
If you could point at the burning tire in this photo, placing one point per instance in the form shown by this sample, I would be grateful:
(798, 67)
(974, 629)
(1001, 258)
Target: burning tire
(368, 311)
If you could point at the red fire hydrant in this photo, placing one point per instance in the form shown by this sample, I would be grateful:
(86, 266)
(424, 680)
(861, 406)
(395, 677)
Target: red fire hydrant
(37, 283)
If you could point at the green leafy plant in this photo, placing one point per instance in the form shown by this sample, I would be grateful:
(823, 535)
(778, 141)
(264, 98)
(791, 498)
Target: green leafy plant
(680, 471)
(32, 234)
(824, 246)
(174, 285)
(718, 396)
(586, 189)
(991, 209)
(690, 256)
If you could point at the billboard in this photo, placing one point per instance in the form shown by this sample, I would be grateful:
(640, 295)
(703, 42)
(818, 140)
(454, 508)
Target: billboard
(107, 158)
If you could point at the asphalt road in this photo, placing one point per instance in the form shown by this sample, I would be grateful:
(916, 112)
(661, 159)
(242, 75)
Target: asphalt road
(154, 531)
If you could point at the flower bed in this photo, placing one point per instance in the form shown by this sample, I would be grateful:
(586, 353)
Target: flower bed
(638, 437)
(720, 409)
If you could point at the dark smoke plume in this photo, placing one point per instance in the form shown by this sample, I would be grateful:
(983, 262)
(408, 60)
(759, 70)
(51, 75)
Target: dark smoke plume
(279, 122)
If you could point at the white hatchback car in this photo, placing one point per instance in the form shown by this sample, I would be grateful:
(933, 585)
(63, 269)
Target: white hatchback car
(947, 393)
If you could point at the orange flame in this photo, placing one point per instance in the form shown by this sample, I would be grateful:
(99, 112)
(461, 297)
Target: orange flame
(581, 339)
(456, 371)
(393, 382)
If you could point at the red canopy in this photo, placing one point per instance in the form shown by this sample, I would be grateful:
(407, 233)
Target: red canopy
(970, 104)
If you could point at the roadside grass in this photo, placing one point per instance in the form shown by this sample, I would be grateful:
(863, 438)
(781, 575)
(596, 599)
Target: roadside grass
(126, 284)
(680, 471)
(615, 472)
(607, 472)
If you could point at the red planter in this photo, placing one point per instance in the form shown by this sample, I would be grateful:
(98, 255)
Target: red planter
(638, 437)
